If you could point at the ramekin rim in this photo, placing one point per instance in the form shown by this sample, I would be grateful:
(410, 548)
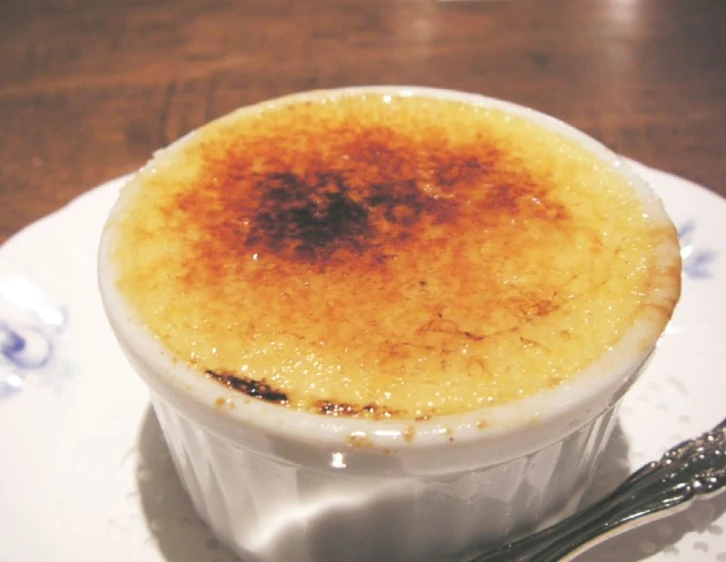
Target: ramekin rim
(563, 408)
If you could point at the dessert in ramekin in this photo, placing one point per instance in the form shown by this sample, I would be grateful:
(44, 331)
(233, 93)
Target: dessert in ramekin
(386, 323)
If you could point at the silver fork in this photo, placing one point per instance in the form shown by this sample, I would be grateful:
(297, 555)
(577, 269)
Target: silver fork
(695, 468)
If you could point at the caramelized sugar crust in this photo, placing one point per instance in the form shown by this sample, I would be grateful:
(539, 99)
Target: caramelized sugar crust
(384, 256)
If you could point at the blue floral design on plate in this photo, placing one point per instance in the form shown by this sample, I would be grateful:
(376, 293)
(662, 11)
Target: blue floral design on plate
(696, 260)
(29, 330)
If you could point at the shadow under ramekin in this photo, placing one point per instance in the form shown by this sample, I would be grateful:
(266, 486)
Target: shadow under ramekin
(180, 533)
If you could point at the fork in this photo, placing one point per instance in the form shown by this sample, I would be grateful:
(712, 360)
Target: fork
(695, 468)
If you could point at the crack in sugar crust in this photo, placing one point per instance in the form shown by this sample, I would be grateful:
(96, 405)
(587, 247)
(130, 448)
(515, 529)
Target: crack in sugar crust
(386, 260)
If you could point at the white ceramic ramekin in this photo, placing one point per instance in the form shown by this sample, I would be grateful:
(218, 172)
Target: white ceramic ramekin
(282, 485)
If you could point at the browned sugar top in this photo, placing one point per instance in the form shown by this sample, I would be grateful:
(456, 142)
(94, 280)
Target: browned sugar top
(383, 256)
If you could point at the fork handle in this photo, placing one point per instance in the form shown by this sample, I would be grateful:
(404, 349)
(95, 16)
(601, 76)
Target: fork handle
(619, 512)
(694, 468)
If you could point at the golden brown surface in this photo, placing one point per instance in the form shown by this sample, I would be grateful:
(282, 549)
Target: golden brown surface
(88, 90)
(384, 256)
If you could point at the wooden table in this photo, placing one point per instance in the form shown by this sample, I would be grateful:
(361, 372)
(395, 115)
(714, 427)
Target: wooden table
(89, 88)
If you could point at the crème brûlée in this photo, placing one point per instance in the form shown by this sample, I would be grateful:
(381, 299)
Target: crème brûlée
(387, 256)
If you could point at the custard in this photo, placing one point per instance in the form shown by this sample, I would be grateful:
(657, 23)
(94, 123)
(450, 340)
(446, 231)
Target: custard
(385, 256)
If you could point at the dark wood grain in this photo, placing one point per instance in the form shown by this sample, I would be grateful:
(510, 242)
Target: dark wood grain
(89, 88)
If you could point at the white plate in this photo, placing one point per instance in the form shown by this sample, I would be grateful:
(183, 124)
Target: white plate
(84, 471)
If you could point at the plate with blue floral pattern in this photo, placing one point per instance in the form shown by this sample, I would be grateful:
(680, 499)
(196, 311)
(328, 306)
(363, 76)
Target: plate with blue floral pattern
(84, 470)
